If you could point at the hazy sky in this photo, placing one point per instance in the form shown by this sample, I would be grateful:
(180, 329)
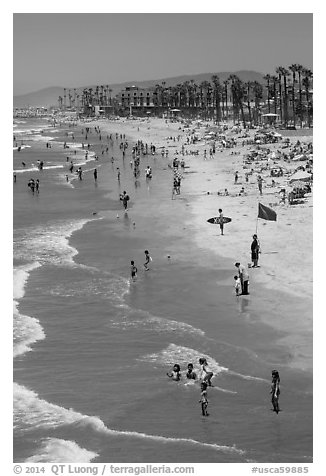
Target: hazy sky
(80, 49)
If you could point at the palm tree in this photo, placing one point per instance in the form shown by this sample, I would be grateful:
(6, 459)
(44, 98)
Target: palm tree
(294, 69)
(274, 80)
(300, 69)
(225, 96)
(217, 97)
(234, 84)
(258, 94)
(307, 76)
(248, 86)
(268, 78)
(279, 82)
(283, 73)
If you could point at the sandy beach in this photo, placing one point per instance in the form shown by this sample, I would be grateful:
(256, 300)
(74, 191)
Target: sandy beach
(286, 245)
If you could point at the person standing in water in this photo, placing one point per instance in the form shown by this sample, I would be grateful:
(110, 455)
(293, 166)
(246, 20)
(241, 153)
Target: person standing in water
(175, 374)
(95, 174)
(147, 260)
(275, 390)
(124, 198)
(191, 374)
(205, 373)
(133, 270)
(244, 277)
(203, 399)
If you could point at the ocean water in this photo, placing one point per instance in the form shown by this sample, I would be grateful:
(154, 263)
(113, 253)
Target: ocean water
(91, 348)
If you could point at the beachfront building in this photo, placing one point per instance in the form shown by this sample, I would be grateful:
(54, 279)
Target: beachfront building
(135, 100)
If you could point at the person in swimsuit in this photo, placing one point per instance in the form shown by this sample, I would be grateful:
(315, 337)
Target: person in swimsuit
(203, 399)
(133, 270)
(205, 374)
(175, 374)
(275, 390)
(147, 260)
(221, 220)
(190, 372)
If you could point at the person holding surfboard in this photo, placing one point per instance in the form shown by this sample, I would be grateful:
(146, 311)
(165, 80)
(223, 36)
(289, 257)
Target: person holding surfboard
(221, 220)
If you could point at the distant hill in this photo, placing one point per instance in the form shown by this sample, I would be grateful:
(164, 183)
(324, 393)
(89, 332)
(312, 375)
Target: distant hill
(49, 96)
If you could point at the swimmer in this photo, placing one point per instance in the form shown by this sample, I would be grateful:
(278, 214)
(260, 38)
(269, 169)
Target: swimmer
(175, 374)
(190, 372)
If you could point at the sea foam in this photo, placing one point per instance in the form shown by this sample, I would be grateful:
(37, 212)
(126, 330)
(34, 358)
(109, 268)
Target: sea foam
(26, 329)
(57, 450)
(48, 243)
(31, 412)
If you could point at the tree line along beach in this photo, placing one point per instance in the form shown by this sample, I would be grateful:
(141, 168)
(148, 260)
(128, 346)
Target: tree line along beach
(92, 348)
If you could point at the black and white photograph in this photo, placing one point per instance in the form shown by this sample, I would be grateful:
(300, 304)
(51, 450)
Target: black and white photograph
(163, 178)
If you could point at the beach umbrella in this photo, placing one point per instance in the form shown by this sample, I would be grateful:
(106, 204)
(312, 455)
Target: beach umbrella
(299, 184)
(300, 176)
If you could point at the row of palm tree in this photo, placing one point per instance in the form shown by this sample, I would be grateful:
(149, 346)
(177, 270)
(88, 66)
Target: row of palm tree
(89, 97)
(288, 93)
(244, 100)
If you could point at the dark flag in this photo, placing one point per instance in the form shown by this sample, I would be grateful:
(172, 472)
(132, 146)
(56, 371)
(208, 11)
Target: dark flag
(266, 213)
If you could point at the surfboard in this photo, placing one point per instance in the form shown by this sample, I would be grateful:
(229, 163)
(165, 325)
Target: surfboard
(216, 220)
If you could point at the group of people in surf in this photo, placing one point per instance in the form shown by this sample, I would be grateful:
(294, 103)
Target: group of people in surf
(204, 376)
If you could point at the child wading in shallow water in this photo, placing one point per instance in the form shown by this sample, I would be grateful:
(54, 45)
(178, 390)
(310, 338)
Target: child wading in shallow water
(175, 374)
(147, 260)
(237, 285)
(205, 373)
(133, 270)
(203, 399)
